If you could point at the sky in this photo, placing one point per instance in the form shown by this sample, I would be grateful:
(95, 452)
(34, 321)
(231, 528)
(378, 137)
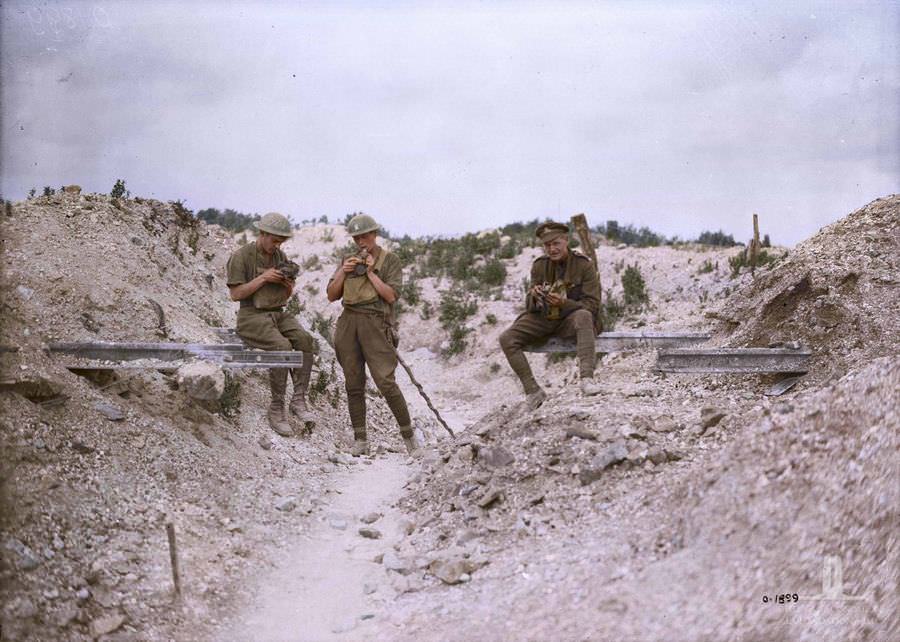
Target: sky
(449, 117)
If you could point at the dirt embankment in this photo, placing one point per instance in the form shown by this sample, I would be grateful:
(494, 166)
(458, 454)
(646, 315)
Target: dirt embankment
(676, 504)
(837, 292)
(93, 466)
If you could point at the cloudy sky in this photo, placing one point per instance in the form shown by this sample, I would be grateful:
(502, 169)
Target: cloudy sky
(440, 117)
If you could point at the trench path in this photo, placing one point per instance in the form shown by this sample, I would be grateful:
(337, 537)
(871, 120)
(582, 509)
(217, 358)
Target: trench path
(326, 585)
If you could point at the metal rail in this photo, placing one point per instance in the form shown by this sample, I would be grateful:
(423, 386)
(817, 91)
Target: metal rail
(619, 341)
(737, 360)
(228, 355)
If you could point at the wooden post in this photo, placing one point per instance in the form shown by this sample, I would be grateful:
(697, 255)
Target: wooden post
(754, 245)
(579, 222)
(173, 558)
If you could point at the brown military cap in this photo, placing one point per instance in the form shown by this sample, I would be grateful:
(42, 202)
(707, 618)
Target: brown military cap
(548, 231)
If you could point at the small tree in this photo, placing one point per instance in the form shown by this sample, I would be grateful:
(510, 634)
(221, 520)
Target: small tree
(32, 192)
(635, 290)
(49, 191)
(118, 190)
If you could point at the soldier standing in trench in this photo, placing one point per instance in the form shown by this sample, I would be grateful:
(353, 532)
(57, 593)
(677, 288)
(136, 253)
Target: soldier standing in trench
(563, 301)
(263, 291)
(368, 284)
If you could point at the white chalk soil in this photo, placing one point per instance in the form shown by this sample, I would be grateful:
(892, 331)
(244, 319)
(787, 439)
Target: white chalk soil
(327, 584)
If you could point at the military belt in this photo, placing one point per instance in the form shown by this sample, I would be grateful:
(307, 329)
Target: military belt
(247, 303)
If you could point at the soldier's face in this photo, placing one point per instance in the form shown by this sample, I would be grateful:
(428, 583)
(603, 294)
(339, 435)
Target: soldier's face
(557, 249)
(268, 242)
(365, 241)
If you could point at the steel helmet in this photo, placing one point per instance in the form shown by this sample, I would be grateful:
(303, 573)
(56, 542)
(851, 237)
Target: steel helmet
(274, 223)
(362, 224)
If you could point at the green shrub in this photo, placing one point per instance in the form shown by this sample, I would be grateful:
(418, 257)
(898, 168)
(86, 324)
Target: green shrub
(707, 267)
(493, 273)
(312, 263)
(455, 307)
(635, 292)
(323, 326)
(294, 306)
(719, 238)
(494, 367)
(230, 219)
(32, 192)
(49, 191)
(490, 319)
(118, 190)
(427, 311)
(410, 292)
(611, 309)
(742, 260)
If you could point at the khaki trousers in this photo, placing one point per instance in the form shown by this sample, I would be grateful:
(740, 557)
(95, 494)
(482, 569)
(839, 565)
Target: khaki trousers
(530, 327)
(360, 340)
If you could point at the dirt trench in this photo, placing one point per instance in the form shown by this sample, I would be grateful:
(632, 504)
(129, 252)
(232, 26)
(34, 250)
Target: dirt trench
(326, 585)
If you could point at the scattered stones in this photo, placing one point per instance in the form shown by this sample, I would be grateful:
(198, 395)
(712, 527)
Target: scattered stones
(25, 558)
(81, 448)
(656, 455)
(491, 495)
(393, 562)
(370, 518)
(111, 412)
(338, 523)
(265, 442)
(286, 505)
(612, 455)
(454, 570)
(368, 588)
(366, 616)
(581, 433)
(370, 533)
(106, 624)
(495, 457)
(201, 380)
(663, 424)
(710, 416)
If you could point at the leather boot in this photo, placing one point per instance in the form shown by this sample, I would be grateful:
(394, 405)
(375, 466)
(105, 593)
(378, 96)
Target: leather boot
(360, 444)
(278, 386)
(300, 378)
(413, 447)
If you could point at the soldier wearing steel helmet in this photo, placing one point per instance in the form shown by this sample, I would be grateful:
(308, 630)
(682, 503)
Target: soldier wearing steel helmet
(563, 301)
(263, 290)
(368, 283)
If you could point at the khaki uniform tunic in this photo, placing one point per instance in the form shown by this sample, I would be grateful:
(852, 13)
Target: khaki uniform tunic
(265, 325)
(365, 335)
(578, 315)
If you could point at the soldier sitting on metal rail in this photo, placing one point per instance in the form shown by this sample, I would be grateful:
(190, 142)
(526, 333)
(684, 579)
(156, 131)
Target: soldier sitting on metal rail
(262, 279)
(563, 301)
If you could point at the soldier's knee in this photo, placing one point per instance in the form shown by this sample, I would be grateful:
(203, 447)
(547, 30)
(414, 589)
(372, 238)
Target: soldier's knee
(282, 344)
(507, 340)
(583, 319)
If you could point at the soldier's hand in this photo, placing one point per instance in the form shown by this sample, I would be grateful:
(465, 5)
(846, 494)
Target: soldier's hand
(536, 292)
(370, 261)
(554, 299)
(273, 275)
(349, 264)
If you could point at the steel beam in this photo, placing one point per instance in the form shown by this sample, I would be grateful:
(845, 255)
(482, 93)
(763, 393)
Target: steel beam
(619, 341)
(739, 360)
(229, 355)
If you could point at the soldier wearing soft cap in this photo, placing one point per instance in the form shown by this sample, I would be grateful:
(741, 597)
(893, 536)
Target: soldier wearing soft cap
(563, 301)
